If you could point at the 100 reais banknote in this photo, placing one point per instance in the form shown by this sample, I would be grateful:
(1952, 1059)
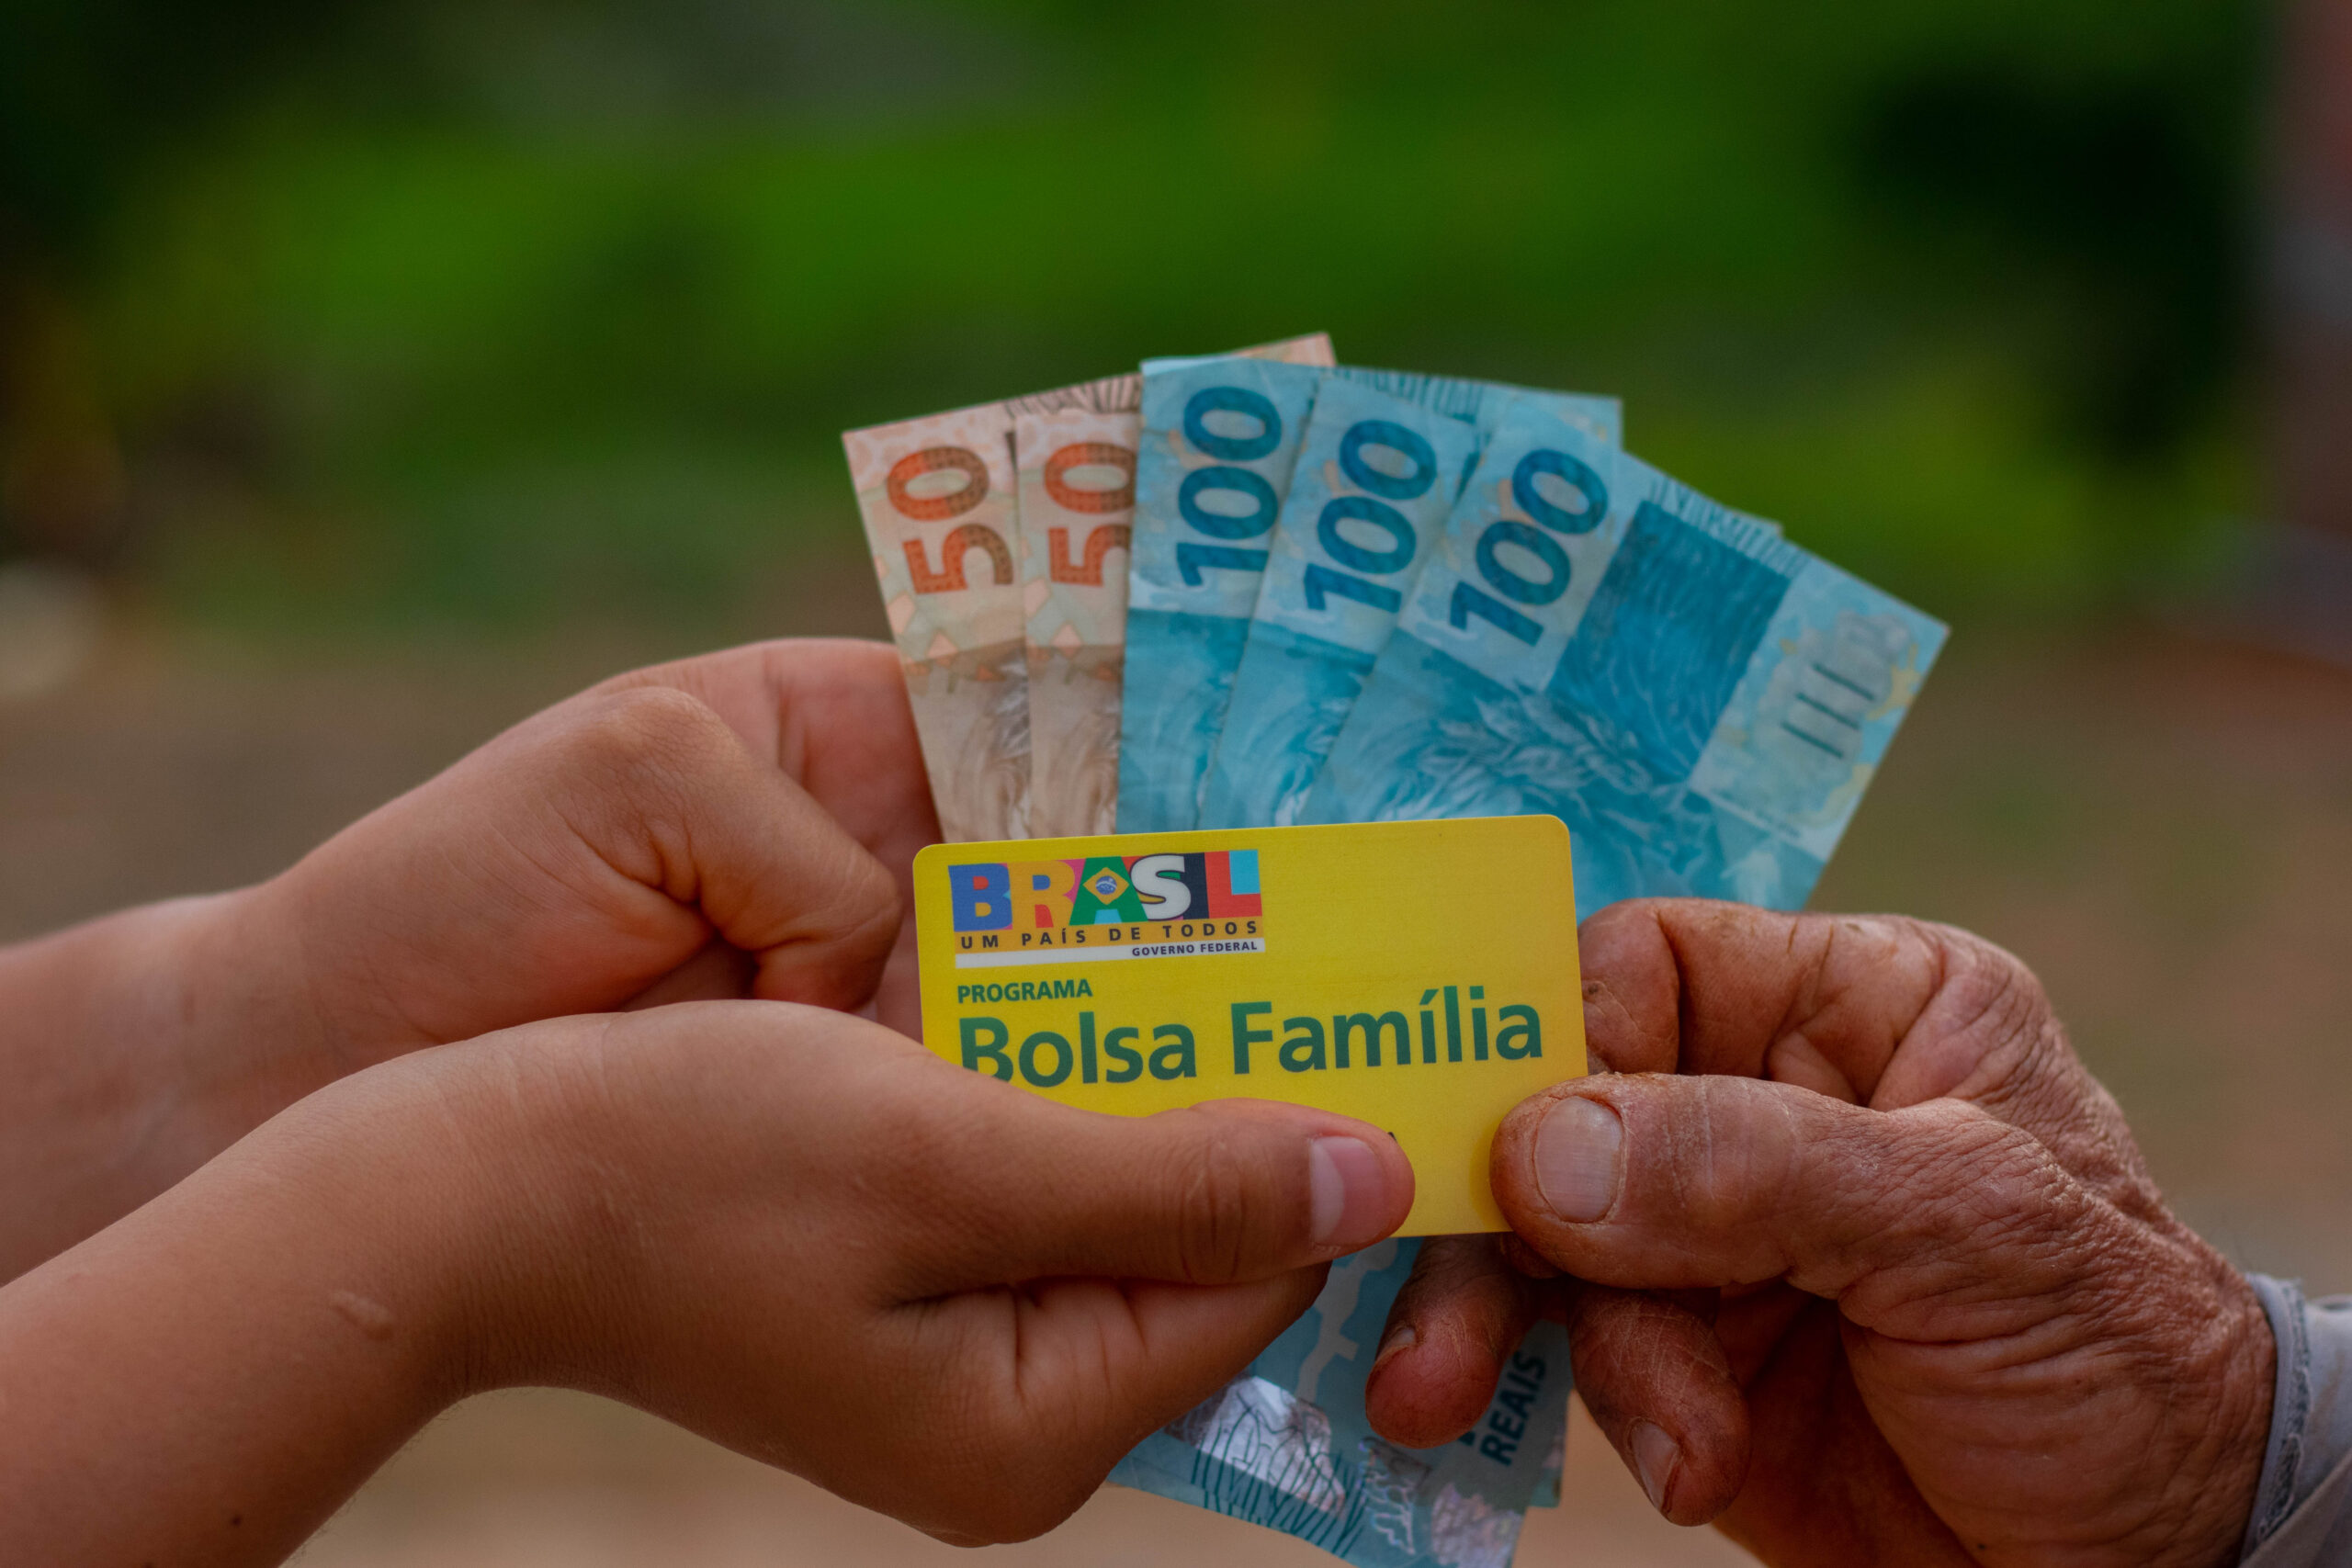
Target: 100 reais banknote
(1220, 440)
(1252, 590)
(1385, 456)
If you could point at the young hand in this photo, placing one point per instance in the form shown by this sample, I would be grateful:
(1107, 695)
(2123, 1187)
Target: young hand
(789, 1229)
(736, 825)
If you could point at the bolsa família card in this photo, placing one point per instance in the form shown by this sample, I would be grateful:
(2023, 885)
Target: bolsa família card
(1420, 975)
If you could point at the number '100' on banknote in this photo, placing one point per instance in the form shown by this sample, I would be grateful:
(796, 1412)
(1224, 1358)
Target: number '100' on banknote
(1076, 468)
(1701, 701)
(1219, 441)
(1386, 452)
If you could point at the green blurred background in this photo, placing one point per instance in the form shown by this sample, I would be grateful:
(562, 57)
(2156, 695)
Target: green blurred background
(349, 317)
(373, 372)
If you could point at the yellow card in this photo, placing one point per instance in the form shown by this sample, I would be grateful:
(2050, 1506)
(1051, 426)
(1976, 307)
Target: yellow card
(1420, 975)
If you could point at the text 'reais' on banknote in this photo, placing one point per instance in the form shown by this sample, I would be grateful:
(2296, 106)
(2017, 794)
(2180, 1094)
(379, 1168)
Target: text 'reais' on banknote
(1288, 1444)
(1701, 702)
(1219, 443)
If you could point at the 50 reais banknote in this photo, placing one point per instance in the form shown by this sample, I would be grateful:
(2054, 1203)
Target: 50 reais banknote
(1076, 475)
(1078, 493)
(942, 512)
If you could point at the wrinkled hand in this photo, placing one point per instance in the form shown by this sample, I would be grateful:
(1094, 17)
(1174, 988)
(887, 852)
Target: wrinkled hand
(736, 825)
(1856, 1259)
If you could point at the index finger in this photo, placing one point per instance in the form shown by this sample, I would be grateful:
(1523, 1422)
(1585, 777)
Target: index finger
(832, 713)
(1873, 1010)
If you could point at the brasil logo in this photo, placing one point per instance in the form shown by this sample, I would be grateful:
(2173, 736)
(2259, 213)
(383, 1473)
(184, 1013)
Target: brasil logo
(1155, 906)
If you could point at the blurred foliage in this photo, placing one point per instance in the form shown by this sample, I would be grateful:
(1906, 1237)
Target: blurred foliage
(412, 311)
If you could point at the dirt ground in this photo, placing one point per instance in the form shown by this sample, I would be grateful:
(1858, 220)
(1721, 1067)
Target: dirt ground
(2162, 828)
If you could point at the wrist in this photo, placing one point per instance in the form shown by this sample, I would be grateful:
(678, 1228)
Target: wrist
(2217, 1487)
(431, 1174)
(536, 1187)
(250, 1040)
(134, 1052)
(244, 1350)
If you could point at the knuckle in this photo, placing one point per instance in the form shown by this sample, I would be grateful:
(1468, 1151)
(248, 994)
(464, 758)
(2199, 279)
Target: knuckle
(1878, 973)
(2025, 1070)
(1986, 991)
(1731, 1152)
(1943, 1148)
(1965, 1176)
(871, 897)
(1626, 915)
(851, 909)
(644, 729)
(1220, 1190)
(1020, 1480)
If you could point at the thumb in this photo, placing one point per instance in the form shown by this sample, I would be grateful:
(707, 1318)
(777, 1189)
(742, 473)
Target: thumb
(1655, 1181)
(1224, 1192)
(1143, 1262)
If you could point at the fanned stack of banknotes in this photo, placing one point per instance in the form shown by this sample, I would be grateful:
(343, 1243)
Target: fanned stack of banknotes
(1262, 588)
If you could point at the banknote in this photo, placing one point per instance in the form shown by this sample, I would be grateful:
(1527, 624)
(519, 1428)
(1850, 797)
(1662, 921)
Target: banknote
(1219, 441)
(1077, 479)
(1077, 491)
(1346, 550)
(1485, 403)
(941, 507)
(1701, 701)
(1286, 1444)
(1571, 632)
(1377, 477)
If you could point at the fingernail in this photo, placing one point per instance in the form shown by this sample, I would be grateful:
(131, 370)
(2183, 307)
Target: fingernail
(1577, 1150)
(1401, 1339)
(1655, 1457)
(1350, 1191)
